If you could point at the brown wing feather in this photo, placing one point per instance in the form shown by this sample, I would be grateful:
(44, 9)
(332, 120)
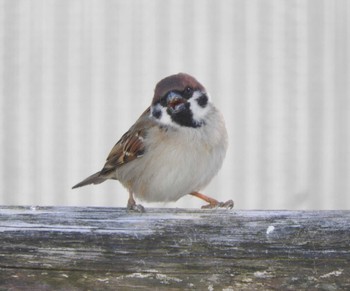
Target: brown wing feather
(129, 147)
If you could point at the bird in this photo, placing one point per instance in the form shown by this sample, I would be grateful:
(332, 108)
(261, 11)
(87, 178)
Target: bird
(175, 147)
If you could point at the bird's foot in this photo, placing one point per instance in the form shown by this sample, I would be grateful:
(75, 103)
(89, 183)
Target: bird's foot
(137, 208)
(213, 203)
(216, 204)
(132, 206)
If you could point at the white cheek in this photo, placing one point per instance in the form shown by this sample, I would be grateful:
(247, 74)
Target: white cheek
(198, 112)
(164, 118)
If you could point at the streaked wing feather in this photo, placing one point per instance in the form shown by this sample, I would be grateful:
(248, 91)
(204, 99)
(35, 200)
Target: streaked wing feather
(129, 147)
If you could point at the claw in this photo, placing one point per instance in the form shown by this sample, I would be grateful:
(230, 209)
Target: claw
(228, 205)
(213, 203)
(136, 208)
(132, 206)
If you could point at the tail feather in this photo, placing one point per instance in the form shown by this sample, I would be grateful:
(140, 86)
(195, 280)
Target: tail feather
(93, 179)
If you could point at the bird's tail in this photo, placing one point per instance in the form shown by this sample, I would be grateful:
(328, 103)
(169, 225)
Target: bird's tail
(93, 179)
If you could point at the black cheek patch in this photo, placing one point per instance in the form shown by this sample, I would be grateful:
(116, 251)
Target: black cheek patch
(157, 113)
(202, 101)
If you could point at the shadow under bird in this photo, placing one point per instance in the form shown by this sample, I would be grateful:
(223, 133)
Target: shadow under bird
(175, 147)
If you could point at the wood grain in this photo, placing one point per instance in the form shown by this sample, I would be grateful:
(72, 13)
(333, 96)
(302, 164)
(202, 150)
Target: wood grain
(67, 248)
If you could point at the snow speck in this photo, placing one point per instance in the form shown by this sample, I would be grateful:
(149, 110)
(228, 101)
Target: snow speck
(138, 275)
(270, 229)
(167, 279)
(334, 273)
(263, 274)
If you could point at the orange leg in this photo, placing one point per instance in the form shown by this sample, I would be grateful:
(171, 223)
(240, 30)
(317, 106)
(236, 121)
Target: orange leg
(212, 203)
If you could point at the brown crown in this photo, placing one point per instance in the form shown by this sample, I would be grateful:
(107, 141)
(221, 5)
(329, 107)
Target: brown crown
(176, 82)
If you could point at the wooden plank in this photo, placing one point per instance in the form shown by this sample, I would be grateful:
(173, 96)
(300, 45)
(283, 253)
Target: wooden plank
(45, 248)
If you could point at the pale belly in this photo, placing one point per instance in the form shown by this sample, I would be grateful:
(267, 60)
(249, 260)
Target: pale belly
(167, 175)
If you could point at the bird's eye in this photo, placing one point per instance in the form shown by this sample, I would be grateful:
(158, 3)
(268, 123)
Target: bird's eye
(188, 92)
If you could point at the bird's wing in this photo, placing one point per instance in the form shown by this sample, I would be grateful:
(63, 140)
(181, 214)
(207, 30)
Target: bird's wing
(131, 145)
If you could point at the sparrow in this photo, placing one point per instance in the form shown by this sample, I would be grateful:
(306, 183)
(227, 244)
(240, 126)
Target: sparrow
(175, 147)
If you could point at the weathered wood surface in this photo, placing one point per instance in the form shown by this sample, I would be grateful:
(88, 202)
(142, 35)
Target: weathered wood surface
(46, 248)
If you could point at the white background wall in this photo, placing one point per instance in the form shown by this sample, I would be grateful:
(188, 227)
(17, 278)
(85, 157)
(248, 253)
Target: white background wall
(75, 74)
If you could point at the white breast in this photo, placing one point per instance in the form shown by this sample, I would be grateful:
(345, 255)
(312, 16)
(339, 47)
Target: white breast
(177, 161)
